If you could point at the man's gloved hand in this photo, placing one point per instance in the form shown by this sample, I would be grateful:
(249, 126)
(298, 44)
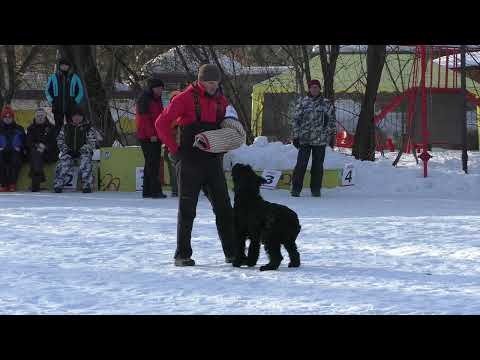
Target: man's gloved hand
(200, 143)
(332, 142)
(296, 143)
(41, 147)
(175, 158)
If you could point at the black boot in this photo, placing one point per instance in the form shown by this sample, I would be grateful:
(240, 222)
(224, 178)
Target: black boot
(184, 262)
(87, 189)
(58, 190)
(36, 184)
(160, 195)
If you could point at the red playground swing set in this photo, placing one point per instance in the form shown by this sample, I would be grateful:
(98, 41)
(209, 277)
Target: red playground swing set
(422, 81)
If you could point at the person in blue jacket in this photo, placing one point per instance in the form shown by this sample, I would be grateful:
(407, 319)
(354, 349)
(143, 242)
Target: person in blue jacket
(64, 92)
(12, 148)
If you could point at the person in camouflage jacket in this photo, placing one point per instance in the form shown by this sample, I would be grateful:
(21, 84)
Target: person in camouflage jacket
(76, 140)
(314, 126)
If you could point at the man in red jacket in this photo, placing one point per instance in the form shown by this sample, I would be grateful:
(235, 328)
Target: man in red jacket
(199, 108)
(149, 106)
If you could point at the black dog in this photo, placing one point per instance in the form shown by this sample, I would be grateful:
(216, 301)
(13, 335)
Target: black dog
(262, 222)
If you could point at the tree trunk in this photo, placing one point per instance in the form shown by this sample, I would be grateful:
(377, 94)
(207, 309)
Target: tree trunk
(11, 63)
(95, 93)
(329, 64)
(306, 63)
(364, 145)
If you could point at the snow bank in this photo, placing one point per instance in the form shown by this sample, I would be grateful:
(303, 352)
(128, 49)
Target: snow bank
(446, 177)
(276, 156)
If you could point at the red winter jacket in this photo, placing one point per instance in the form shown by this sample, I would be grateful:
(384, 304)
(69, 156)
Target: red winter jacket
(147, 110)
(182, 110)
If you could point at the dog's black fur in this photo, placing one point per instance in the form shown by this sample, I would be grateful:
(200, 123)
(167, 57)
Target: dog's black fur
(261, 222)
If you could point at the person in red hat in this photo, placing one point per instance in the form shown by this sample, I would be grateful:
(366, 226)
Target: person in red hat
(314, 127)
(12, 147)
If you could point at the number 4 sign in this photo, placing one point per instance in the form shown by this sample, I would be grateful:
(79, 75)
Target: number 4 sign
(348, 175)
(272, 177)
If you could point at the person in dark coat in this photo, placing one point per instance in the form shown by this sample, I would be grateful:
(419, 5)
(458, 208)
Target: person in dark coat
(12, 150)
(149, 107)
(198, 109)
(41, 147)
(64, 92)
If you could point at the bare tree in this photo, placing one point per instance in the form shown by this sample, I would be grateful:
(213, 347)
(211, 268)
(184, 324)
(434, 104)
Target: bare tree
(364, 145)
(17, 63)
(329, 63)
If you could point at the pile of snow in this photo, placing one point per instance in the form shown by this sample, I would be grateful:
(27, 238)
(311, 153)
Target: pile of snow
(445, 176)
(263, 155)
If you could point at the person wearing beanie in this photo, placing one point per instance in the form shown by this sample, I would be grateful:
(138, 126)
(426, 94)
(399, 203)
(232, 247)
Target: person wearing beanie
(313, 126)
(149, 106)
(12, 147)
(76, 141)
(64, 91)
(41, 147)
(197, 109)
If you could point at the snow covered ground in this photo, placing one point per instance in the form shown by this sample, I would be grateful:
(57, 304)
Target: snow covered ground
(395, 243)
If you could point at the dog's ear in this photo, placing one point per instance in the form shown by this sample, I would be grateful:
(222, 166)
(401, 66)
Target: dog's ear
(261, 180)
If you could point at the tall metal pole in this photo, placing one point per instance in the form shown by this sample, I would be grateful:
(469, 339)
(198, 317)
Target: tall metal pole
(464, 125)
(425, 156)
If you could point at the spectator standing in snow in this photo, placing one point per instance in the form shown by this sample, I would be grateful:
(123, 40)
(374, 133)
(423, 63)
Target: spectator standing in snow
(41, 147)
(200, 111)
(12, 147)
(64, 92)
(314, 126)
(149, 107)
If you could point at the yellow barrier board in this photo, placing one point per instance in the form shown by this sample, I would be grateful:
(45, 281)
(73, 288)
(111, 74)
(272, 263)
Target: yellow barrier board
(24, 182)
(119, 172)
(331, 179)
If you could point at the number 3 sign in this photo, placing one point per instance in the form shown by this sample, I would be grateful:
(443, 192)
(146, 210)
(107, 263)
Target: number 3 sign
(348, 175)
(272, 177)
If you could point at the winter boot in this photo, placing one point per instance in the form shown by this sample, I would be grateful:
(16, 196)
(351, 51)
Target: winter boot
(87, 189)
(160, 195)
(58, 190)
(316, 193)
(295, 194)
(184, 262)
(12, 188)
(35, 184)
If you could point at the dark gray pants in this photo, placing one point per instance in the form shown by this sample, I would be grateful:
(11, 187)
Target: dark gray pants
(10, 165)
(152, 152)
(316, 172)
